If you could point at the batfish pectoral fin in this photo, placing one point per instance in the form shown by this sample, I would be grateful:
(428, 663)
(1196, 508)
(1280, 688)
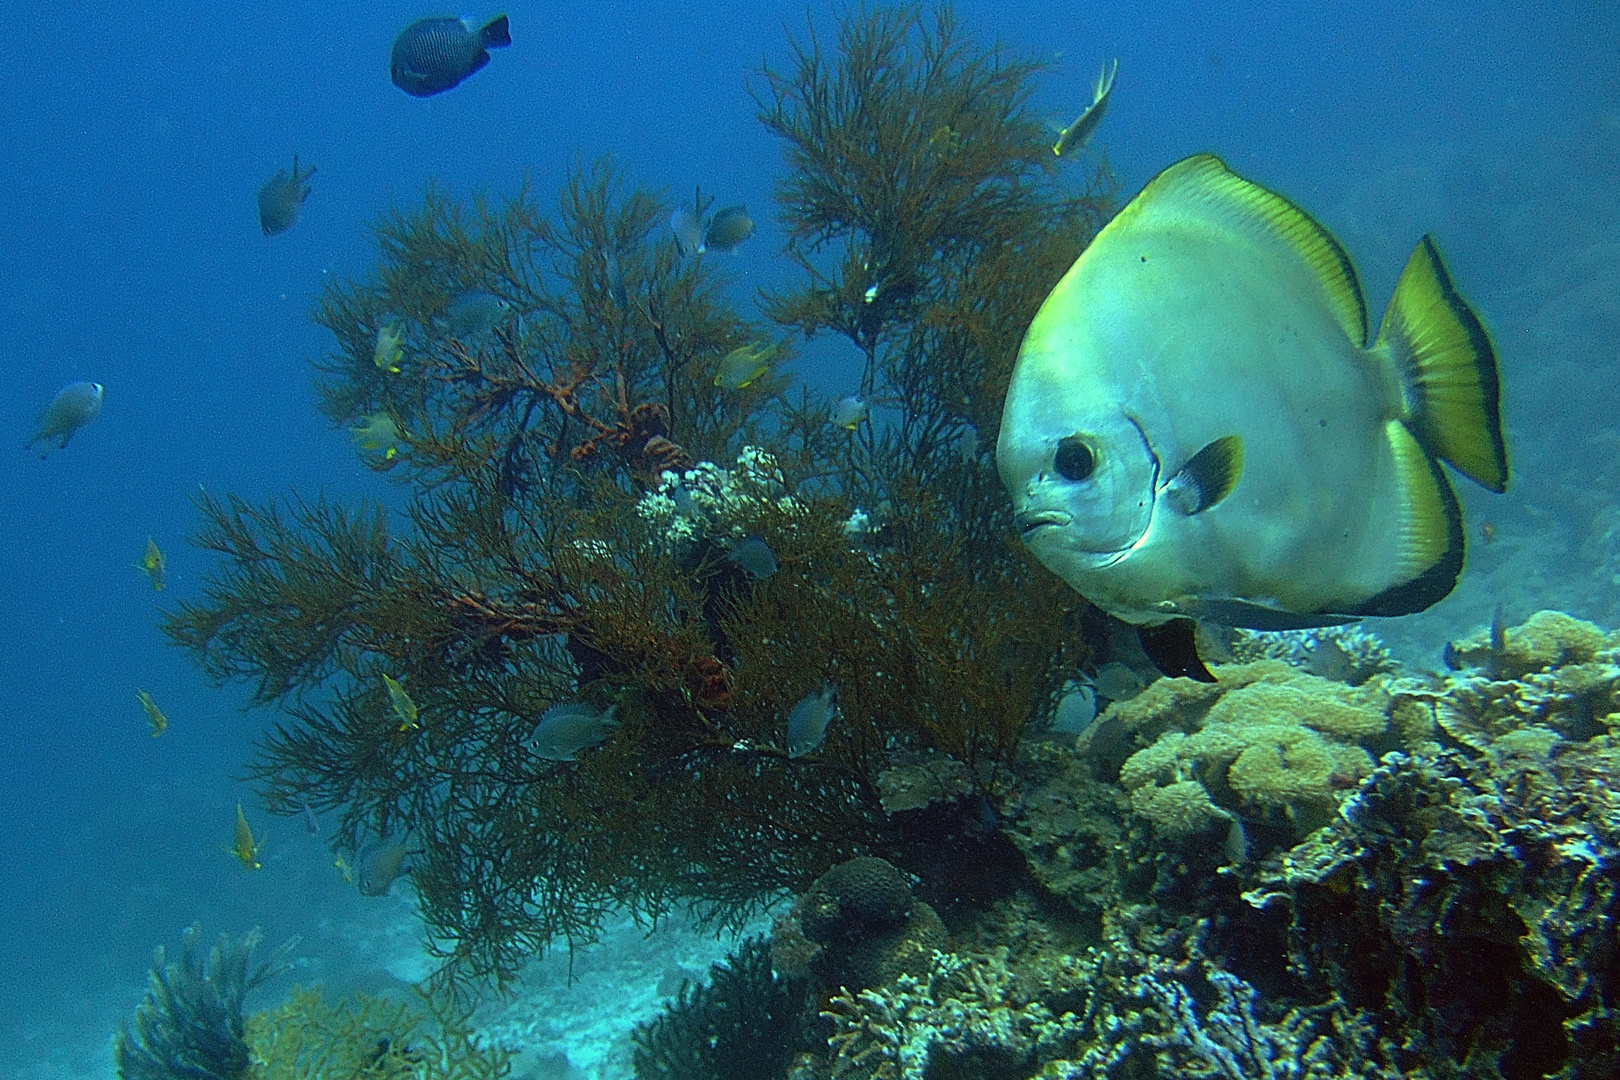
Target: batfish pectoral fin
(1173, 648)
(1208, 477)
(1447, 369)
(1429, 531)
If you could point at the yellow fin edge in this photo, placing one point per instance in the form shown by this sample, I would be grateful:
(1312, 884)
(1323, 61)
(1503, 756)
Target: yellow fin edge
(1206, 177)
(1430, 531)
(1447, 367)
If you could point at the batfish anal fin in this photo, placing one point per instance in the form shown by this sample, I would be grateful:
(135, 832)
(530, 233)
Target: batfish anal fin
(1173, 648)
(1229, 611)
(1430, 531)
(1208, 477)
(1447, 368)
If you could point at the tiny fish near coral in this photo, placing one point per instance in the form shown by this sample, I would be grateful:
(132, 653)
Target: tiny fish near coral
(808, 721)
(565, 730)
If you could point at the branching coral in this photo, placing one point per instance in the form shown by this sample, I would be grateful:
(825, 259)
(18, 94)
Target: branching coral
(306, 1038)
(191, 1027)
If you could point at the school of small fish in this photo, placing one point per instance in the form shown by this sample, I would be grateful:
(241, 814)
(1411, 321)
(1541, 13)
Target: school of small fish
(429, 57)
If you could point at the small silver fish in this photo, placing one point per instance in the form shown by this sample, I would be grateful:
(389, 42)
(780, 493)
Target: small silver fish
(378, 863)
(808, 721)
(754, 557)
(688, 229)
(849, 412)
(565, 730)
(312, 824)
(74, 406)
(617, 289)
(434, 54)
(474, 312)
(1116, 682)
(281, 197)
(1076, 709)
(728, 228)
(1077, 134)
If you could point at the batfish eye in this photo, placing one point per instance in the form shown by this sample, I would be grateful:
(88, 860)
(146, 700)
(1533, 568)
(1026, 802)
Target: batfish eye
(1075, 460)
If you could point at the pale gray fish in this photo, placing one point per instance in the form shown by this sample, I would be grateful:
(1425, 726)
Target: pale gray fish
(474, 312)
(431, 55)
(1077, 134)
(1330, 660)
(848, 412)
(808, 721)
(565, 730)
(688, 230)
(281, 197)
(1076, 708)
(616, 286)
(755, 558)
(1116, 682)
(728, 228)
(74, 406)
(685, 505)
(378, 863)
(312, 824)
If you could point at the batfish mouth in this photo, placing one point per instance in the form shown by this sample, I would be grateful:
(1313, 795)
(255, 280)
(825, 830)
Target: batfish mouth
(1030, 520)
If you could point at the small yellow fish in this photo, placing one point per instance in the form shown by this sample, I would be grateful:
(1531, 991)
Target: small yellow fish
(1077, 134)
(404, 707)
(154, 715)
(743, 365)
(389, 350)
(154, 564)
(377, 433)
(243, 846)
(343, 869)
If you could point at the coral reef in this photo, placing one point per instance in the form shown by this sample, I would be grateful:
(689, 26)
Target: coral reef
(1130, 1009)
(190, 1026)
(1468, 888)
(1266, 744)
(743, 1024)
(305, 1038)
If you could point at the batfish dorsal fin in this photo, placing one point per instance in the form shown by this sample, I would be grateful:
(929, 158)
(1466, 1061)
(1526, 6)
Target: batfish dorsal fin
(1203, 184)
(1208, 477)
(1429, 528)
(1447, 369)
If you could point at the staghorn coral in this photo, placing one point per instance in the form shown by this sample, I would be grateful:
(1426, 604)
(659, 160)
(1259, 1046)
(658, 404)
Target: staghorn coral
(305, 1038)
(190, 1026)
(743, 1024)
(1348, 654)
(1131, 1009)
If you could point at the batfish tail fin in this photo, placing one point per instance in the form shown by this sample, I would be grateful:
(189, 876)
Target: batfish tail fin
(496, 34)
(1447, 369)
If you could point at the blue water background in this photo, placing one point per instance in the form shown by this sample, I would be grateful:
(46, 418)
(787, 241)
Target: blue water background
(134, 141)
